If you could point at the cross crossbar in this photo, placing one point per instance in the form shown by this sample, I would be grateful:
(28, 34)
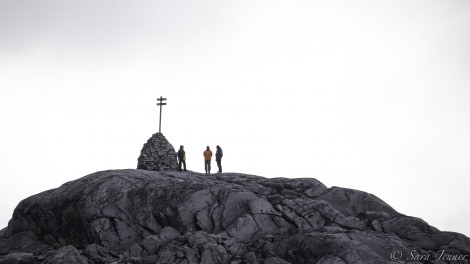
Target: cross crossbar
(161, 99)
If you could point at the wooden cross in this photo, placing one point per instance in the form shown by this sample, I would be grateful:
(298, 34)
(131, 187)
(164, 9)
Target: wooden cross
(161, 99)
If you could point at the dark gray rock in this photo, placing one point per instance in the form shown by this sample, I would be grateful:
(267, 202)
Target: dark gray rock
(141, 216)
(66, 254)
(18, 258)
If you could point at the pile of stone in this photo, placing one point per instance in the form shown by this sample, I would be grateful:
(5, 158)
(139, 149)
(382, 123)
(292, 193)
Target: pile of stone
(157, 155)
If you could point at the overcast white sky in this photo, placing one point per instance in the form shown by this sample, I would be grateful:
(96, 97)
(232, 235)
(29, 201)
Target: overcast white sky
(371, 95)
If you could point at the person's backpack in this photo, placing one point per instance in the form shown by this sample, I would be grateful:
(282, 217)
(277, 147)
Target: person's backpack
(181, 155)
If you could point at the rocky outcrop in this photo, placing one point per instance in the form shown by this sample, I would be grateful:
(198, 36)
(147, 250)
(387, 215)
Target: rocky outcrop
(157, 155)
(139, 216)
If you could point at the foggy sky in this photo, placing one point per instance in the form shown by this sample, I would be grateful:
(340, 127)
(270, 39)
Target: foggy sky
(370, 95)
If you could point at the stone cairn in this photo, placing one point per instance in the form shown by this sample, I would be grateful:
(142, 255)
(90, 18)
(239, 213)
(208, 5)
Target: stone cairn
(157, 155)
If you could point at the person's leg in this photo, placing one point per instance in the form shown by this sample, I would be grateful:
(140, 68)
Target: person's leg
(184, 165)
(179, 165)
(209, 166)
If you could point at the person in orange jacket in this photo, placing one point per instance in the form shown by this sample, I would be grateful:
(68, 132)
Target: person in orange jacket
(207, 159)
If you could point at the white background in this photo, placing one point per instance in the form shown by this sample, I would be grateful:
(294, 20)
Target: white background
(370, 95)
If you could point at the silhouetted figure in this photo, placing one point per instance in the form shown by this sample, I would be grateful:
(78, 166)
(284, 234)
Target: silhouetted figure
(207, 160)
(218, 157)
(181, 158)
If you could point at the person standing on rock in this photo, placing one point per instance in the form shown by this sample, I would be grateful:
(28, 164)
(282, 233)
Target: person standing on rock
(218, 157)
(181, 158)
(207, 160)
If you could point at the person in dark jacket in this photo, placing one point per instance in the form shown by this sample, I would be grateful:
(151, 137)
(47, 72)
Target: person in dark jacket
(218, 157)
(181, 158)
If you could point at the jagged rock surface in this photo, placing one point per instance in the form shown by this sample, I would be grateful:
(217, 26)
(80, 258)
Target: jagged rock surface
(138, 216)
(157, 155)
